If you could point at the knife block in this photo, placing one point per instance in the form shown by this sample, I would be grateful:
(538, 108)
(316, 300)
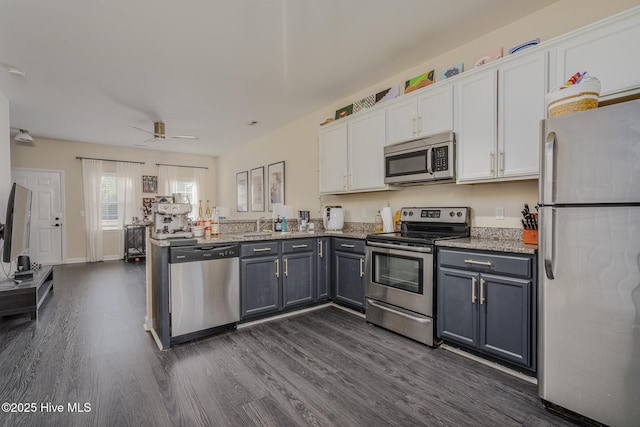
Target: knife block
(530, 237)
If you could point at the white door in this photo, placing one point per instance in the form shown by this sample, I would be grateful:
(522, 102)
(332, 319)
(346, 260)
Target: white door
(45, 243)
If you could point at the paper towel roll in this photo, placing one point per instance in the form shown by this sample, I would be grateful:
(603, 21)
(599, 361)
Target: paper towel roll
(387, 219)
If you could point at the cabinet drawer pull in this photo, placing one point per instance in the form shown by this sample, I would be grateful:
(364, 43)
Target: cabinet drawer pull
(481, 291)
(344, 245)
(286, 267)
(473, 290)
(298, 246)
(320, 244)
(262, 250)
(361, 267)
(277, 267)
(470, 261)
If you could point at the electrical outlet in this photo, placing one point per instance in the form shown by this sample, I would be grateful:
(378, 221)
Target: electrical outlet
(500, 212)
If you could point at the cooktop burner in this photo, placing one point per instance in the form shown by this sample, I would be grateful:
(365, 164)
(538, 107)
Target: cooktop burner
(423, 226)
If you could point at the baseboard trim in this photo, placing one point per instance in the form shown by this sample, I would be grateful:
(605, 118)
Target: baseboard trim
(282, 316)
(75, 260)
(491, 364)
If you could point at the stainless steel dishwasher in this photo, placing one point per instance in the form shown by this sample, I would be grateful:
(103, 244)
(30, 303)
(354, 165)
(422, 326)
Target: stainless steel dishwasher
(204, 290)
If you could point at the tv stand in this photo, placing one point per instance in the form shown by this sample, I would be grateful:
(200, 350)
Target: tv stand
(28, 295)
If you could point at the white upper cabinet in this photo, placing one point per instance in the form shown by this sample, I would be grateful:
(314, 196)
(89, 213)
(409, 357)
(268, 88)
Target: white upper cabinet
(424, 113)
(333, 158)
(476, 121)
(522, 84)
(497, 121)
(352, 154)
(366, 151)
(607, 50)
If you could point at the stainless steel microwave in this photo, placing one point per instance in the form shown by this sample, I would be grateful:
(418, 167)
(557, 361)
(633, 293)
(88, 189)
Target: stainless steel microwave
(421, 161)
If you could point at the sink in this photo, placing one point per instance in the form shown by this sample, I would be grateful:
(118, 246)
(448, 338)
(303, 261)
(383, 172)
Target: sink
(257, 233)
(251, 234)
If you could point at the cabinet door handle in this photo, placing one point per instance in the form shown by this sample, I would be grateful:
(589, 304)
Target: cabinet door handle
(501, 160)
(413, 126)
(419, 125)
(361, 267)
(286, 267)
(320, 244)
(481, 291)
(277, 268)
(492, 157)
(344, 182)
(262, 250)
(344, 245)
(471, 261)
(473, 290)
(298, 246)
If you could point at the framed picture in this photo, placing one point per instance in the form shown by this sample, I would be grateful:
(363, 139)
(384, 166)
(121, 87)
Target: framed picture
(147, 204)
(257, 189)
(242, 191)
(453, 71)
(276, 184)
(149, 184)
(418, 82)
(344, 111)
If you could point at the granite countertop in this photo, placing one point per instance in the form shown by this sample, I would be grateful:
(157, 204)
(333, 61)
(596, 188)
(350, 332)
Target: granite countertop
(240, 237)
(487, 244)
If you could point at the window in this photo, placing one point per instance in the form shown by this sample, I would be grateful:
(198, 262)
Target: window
(109, 201)
(186, 186)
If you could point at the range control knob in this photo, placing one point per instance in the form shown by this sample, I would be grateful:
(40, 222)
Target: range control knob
(452, 213)
(404, 213)
(459, 214)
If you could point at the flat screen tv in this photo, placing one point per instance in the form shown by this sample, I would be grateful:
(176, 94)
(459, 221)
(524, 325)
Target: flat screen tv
(16, 227)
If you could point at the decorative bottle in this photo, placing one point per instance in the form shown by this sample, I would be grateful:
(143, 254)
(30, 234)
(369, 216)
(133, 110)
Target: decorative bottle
(283, 227)
(207, 222)
(200, 217)
(378, 224)
(278, 224)
(215, 222)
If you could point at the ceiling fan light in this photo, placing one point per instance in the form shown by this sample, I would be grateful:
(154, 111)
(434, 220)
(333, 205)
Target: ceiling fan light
(23, 136)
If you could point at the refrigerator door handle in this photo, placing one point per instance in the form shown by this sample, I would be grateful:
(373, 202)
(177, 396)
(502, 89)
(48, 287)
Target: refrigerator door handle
(549, 187)
(549, 245)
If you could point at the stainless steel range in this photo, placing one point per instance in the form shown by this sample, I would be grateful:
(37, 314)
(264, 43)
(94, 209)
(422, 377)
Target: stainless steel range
(399, 272)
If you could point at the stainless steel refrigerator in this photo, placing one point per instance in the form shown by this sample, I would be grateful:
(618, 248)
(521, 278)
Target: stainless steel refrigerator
(589, 264)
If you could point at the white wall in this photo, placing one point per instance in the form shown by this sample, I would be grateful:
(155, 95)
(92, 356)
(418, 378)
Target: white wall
(61, 155)
(5, 160)
(297, 143)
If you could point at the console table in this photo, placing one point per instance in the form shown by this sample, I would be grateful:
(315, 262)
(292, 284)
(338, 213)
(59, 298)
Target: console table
(27, 296)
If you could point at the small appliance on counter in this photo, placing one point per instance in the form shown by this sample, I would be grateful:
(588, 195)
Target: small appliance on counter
(333, 218)
(170, 220)
(303, 221)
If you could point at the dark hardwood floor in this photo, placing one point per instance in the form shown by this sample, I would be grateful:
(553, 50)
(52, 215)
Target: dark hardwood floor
(326, 367)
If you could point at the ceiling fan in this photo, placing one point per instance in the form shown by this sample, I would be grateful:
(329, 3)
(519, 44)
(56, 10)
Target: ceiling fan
(158, 133)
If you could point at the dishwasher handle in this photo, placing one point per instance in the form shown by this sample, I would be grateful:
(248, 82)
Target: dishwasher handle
(203, 253)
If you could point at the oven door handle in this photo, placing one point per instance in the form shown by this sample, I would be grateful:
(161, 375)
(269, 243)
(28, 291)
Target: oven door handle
(399, 313)
(429, 160)
(400, 247)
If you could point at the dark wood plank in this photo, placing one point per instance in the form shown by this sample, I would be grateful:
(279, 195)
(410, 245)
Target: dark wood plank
(321, 368)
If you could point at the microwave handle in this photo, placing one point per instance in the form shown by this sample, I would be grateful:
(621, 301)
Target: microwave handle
(429, 160)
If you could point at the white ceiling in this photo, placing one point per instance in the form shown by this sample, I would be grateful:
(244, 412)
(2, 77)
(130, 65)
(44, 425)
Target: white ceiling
(209, 67)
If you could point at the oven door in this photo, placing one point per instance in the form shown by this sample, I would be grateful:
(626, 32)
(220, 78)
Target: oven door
(403, 278)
